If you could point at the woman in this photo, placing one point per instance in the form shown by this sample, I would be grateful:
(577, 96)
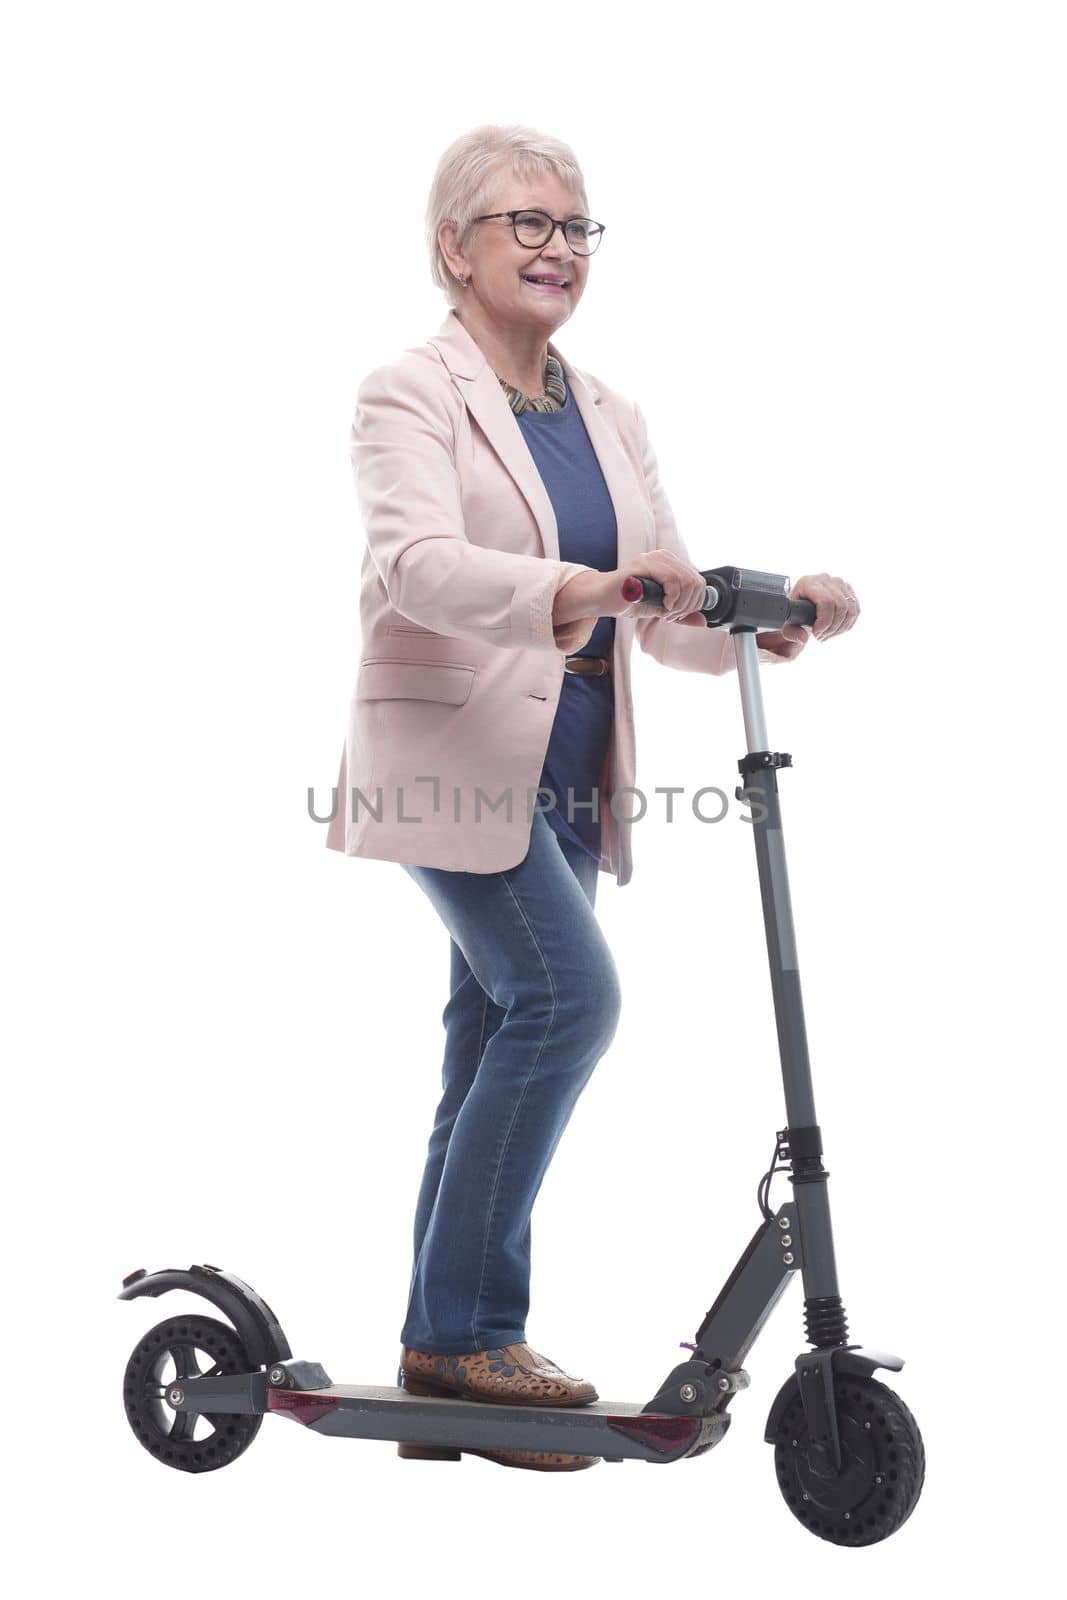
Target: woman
(505, 496)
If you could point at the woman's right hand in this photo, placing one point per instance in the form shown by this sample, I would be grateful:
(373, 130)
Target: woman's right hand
(684, 590)
(593, 594)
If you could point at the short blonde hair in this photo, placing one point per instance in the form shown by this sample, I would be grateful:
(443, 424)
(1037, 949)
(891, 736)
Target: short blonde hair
(464, 185)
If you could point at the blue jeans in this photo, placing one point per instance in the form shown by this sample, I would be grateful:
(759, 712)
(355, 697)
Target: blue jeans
(534, 1004)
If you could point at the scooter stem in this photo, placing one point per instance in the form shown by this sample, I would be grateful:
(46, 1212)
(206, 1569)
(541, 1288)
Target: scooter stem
(760, 788)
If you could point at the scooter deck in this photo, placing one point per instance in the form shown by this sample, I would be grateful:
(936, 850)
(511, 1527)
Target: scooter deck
(614, 1429)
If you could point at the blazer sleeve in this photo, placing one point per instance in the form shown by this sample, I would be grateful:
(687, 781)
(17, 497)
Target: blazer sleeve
(679, 645)
(403, 454)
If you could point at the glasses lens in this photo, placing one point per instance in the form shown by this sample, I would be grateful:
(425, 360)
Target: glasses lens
(583, 235)
(532, 227)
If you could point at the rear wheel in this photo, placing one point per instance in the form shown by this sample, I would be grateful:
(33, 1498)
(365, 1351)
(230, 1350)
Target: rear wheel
(186, 1347)
(882, 1468)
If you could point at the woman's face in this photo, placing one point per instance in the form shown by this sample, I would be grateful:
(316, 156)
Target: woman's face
(498, 265)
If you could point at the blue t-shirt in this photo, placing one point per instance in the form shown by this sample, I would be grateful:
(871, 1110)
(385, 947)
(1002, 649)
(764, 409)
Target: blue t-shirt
(585, 517)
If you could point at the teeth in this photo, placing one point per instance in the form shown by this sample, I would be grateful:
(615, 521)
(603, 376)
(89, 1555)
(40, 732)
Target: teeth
(558, 282)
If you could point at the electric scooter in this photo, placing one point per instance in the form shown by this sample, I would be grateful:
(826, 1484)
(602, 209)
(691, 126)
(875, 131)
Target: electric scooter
(848, 1454)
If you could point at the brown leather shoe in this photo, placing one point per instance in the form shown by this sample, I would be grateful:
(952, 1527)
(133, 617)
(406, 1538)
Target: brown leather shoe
(539, 1460)
(512, 1374)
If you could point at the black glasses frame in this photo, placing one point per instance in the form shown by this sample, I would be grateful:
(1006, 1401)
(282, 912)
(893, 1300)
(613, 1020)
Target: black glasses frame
(557, 222)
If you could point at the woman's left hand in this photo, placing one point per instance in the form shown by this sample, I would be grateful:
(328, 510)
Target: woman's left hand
(836, 609)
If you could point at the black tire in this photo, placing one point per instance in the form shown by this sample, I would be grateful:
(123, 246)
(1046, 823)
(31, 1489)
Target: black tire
(168, 1434)
(883, 1466)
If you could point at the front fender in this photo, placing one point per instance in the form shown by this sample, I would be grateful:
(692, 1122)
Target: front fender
(843, 1358)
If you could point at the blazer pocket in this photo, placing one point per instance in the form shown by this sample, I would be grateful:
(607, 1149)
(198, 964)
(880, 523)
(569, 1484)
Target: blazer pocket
(390, 678)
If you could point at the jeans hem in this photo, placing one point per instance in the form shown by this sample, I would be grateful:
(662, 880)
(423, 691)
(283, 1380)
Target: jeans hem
(467, 1348)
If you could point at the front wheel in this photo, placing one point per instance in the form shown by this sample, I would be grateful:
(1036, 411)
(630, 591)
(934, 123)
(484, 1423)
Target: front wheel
(883, 1465)
(189, 1440)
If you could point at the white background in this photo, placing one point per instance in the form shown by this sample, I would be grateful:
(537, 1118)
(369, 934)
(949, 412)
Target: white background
(833, 278)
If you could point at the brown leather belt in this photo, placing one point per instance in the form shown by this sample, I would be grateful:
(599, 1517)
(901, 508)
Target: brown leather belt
(588, 666)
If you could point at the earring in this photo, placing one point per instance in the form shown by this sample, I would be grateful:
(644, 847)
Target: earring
(463, 279)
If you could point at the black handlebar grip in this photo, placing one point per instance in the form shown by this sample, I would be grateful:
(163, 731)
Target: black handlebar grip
(801, 613)
(643, 589)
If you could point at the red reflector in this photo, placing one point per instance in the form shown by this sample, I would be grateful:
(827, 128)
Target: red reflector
(305, 1408)
(661, 1433)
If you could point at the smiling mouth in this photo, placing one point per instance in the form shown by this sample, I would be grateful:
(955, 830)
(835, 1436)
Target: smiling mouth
(546, 281)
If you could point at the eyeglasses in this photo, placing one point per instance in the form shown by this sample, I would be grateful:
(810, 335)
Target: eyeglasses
(533, 229)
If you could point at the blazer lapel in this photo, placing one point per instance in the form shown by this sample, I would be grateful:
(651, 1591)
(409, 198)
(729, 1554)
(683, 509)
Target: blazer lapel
(485, 400)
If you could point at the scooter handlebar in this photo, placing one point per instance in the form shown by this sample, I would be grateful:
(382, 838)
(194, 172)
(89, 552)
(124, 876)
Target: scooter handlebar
(735, 594)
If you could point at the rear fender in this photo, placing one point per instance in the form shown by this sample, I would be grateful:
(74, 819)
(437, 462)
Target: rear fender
(257, 1327)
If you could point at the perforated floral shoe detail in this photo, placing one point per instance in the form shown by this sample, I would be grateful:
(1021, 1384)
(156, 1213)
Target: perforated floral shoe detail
(512, 1374)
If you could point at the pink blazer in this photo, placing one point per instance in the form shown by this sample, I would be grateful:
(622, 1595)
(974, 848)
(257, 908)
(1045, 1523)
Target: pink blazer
(459, 673)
